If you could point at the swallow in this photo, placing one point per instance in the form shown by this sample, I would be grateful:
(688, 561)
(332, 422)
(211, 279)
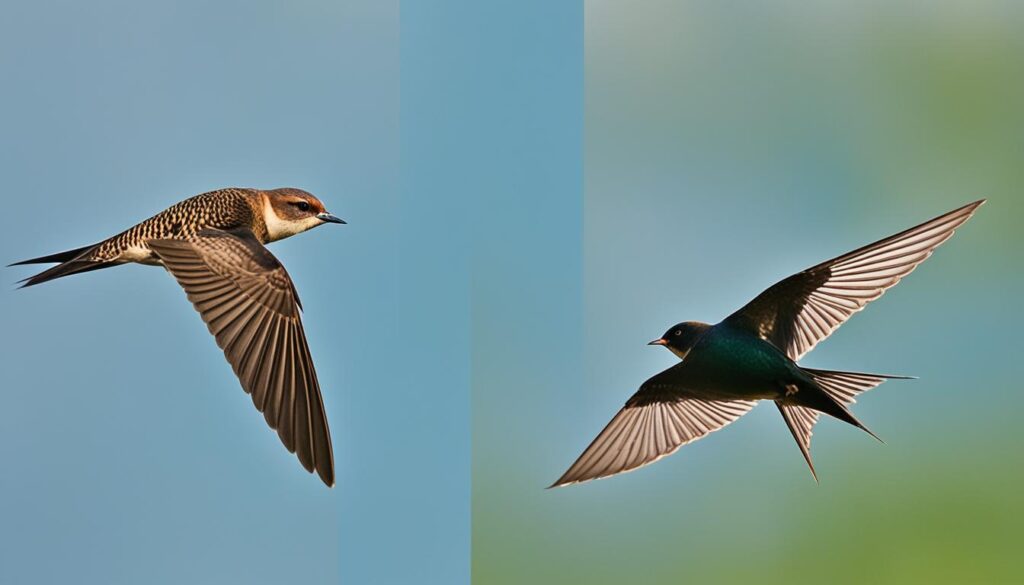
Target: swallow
(726, 368)
(213, 244)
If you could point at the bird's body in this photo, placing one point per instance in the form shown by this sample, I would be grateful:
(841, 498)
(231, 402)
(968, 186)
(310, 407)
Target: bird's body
(726, 368)
(213, 244)
(232, 209)
(730, 363)
(225, 209)
(727, 363)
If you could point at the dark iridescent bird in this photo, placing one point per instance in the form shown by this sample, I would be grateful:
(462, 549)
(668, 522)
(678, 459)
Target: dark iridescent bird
(213, 244)
(725, 369)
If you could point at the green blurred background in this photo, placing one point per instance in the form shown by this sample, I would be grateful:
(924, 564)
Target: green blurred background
(728, 145)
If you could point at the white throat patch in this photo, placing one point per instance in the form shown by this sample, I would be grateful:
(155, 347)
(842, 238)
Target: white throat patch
(279, 229)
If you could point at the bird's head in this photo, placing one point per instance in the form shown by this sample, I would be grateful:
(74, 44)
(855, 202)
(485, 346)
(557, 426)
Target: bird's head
(292, 211)
(681, 337)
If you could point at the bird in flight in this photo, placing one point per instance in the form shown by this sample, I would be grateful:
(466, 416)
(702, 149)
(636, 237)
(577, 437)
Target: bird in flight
(725, 369)
(213, 245)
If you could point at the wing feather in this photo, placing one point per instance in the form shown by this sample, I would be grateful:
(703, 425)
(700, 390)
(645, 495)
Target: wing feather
(249, 305)
(645, 431)
(798, 312)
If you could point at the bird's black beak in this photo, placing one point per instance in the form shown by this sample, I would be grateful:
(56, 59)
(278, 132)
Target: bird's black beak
(658, 342)
(327, 217)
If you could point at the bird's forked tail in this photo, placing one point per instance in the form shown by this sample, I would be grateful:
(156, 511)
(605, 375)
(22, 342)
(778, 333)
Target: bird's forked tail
(70, 262)
(842, 388)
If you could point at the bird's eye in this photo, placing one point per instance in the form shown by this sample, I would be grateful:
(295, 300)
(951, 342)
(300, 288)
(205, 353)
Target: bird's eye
(302, 205)
(679, 332)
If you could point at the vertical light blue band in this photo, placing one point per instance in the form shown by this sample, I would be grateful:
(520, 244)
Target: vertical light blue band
(518, 160)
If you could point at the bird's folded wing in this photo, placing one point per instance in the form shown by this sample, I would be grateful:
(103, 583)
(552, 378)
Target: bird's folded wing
(249, 304)
(800, 311)
(646, 430)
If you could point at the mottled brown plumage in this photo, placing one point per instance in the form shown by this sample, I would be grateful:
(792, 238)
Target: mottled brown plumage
(213, 246)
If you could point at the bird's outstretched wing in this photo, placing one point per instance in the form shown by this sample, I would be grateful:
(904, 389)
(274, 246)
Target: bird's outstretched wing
(798, 312)
(250, 305)
(655, 422)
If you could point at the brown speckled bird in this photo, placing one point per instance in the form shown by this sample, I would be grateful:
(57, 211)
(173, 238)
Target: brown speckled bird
(213, 244)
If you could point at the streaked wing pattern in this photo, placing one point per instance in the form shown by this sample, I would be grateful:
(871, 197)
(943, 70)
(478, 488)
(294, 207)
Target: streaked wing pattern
(645, 431)
(800, 311)
(249, 304)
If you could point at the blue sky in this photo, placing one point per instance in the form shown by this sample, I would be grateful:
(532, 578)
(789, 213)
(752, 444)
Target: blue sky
(130, 452)
(533, 191)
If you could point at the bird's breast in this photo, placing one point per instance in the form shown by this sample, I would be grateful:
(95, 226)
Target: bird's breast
(737, 366)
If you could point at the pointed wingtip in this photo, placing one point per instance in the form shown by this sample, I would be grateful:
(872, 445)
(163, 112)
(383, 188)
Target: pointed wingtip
(966, 211)
(326, 476)
(973, 205)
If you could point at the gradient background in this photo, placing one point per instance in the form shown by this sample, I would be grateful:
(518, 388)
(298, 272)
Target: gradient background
(729, 145)
(534, 190)
(130, 454)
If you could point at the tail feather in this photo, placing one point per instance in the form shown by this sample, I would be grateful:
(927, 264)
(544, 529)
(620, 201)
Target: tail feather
(70, 262)
(845, 386)
(841, 388)
(65, 256)
(801, 421)
(65, 269)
